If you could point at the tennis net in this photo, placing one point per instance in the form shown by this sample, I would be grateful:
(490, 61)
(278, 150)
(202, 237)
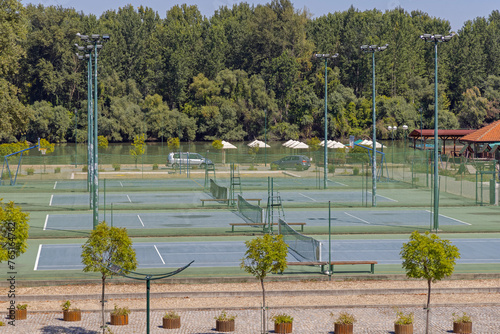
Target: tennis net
(218, 192)
(249, 211)
(304, 248)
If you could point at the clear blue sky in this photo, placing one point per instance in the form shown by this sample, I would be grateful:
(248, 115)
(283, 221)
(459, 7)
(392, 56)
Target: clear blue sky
(455, 11)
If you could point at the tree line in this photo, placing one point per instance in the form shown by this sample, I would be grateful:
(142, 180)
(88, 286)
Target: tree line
(244, 69)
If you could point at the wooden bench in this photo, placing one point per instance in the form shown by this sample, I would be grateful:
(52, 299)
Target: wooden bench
(203, 200)
(264, 224)
(333, 264)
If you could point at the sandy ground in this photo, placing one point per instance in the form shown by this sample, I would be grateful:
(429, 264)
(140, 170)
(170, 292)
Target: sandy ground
(355, 298)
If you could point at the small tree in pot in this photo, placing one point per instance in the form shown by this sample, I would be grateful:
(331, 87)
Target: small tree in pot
(265, 255)
(429, 257)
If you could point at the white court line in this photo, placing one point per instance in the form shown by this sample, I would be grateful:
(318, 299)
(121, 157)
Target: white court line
(51, 198)
(46, 220)
(452, 219)
(121, 184)
(390, 199)
(55, 185)
(38, 256)
(129, 199)
(312, 199)
(364, 221)
(161, 258)
(332, 181)
(140, 220)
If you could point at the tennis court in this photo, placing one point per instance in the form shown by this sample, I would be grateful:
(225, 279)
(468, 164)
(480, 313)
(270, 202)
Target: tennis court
(230, 253)
(213, 218)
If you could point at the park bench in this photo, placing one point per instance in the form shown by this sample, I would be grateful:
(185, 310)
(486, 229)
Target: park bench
(203, 200)
(264, 224)
(334, 263)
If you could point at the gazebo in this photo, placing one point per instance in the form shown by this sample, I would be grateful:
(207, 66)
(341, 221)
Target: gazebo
(485, 141)
(444, 135)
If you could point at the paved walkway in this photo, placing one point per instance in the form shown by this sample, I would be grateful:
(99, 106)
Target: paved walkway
(486, 319)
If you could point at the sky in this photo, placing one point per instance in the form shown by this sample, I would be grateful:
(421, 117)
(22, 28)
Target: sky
(455, 11)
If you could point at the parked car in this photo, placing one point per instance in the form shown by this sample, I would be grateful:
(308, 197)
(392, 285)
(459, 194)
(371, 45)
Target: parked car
(298, 162)
(181, 158)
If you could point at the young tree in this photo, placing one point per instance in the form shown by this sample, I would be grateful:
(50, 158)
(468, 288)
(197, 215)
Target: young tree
(265, 255)
(139, 145)
(429, 257)
(108, 245)
(13, 231)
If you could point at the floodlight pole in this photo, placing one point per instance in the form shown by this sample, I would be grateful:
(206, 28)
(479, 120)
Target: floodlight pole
(76, 142)
(372, 49)
(436, 39)
(265, 138)
(95, 181)
(325, 158)
(144, 277)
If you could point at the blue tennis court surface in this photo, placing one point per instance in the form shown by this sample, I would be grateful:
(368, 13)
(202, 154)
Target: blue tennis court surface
(134, 197)
(230, 253)
(205, 219)
(335, 196)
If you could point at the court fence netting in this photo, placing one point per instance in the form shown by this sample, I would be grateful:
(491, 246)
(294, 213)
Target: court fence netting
(253, 213)
(302, 247)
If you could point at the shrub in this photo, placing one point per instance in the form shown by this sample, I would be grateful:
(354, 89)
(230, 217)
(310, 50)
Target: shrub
(66, 305)
(155, 166)
(2, 323)
(116, 167)
(22, 306)
(120, 310)
(274, 167)
(171, 315)
(30, 171)
(404, 319)
(355, 171)
(344, 318)
(461, 318)
(224, 316)
(85, 169)
(331, 168)
(282, 318)
(57, 170)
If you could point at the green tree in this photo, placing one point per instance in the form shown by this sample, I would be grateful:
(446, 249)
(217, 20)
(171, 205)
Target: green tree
(139, 145)
(107, 245)
(429, 257)
(173, 143)
(102, 142)
(13, 231)
(473, 109)
(264, 255)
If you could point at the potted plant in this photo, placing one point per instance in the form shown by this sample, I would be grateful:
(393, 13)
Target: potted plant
(70, 314)
(282, 323)
(119, 316)
(21, 311)
(462, 323)
(403, 323)
(116, 167)
(344, 323)
(57, 170)
(171, 320)
(274, 166)
(224, 322)
(155, 166)
(30, 171)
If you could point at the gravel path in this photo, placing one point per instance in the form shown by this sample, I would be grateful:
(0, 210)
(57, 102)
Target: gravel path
(372, 302)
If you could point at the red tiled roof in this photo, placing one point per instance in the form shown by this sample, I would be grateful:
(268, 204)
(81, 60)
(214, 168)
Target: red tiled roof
(488, 134)
(441, 133)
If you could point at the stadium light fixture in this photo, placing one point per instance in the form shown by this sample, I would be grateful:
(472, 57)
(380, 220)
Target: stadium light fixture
(372, 49)
(326, 56)
(436, 39)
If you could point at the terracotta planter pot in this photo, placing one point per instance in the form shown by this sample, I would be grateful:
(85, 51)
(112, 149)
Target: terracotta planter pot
(344, 328)
(172, 323)
(403, 329)
(20, 314)
(462, 327)
(119, 320)
(72, 315)
(282, 328)
(224, 326)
